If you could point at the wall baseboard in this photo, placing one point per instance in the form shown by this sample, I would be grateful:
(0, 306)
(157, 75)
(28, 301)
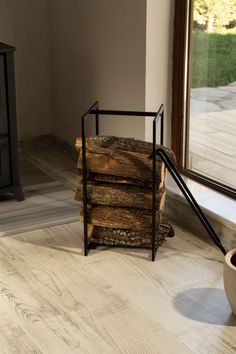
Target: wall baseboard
(44, 141)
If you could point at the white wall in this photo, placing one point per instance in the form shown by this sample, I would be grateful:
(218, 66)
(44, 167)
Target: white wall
(71, 53)
(98, 53)
(25, 25)
(159, 41)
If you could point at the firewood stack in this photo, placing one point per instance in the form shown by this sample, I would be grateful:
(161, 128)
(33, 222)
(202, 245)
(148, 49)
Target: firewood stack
(119, 187)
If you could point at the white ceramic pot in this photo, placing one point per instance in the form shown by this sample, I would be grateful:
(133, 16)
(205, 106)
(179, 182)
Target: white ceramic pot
(230, 278)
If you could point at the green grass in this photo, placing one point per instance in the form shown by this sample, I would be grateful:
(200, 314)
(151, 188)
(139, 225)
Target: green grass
(213, 59)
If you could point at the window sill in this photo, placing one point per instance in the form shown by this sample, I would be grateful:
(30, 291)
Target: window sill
(219, 209)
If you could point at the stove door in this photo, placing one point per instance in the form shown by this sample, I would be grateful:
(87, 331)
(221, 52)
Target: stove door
(3, 105)
(5, 176)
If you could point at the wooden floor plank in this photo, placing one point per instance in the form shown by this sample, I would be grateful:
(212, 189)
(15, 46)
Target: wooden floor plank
(228, 116)
(13, 339)
(223, 344)
(214, 143)
(226, 137)
(213, 137)
(200, 126)
(54, 163)
(210, 120)
(212, 170)
(55, 300)
(47, 202)
(86, 296)
(204, 152)
(114, 300)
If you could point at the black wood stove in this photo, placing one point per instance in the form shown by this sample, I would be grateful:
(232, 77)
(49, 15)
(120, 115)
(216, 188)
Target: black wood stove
(9, 167)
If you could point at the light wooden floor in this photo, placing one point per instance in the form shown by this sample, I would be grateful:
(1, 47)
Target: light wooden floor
(57, 164)
(55, 300)
(212, 145)
(48, 202)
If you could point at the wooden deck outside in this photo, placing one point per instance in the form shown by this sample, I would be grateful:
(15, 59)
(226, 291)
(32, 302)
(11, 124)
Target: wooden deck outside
(212, 145)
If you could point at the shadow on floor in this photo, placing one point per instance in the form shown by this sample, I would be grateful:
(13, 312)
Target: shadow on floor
(207, 305)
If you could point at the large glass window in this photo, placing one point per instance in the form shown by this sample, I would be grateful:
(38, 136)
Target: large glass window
(209, 91)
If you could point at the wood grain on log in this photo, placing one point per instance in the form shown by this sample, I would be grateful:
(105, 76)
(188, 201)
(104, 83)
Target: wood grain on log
(119, 143)
(121, 157)
(119, 191)
(122, 163)
(121, 195)
(98, 177)
(130, 238)
(123, 218)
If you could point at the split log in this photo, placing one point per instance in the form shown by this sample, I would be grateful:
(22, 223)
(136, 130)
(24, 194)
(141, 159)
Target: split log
(122, 163)
(129, 238)
(116, 143)
(121, 157)
(121, 218)
(119, 143)
(98, 177)
(119, 182)
(121, 195)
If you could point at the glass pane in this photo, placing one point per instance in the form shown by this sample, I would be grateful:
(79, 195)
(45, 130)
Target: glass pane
(212, 119)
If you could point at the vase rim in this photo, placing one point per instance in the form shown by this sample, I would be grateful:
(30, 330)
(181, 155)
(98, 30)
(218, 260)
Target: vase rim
(228, 258)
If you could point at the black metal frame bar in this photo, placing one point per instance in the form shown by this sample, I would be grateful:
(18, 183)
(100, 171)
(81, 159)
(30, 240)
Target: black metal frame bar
(12, 184)
(189, 197)
(94, 110)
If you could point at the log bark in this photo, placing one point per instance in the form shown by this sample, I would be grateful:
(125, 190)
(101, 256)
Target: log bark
(119, 191)
(119, 143)
(121, 218)
(98, 177)
(121, 157)
(121, 195)
(129, 238)
(122, 164)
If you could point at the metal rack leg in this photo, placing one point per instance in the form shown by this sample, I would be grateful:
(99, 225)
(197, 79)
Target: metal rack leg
(85, 198)
(154, 193)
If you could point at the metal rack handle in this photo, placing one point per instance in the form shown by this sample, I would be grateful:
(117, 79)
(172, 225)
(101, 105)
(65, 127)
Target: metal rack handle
(189, 197)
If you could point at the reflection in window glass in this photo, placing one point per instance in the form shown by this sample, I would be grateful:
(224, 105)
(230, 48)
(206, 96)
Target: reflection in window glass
(212, 120)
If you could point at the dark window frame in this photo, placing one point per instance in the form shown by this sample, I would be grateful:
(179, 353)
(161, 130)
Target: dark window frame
(180, 89)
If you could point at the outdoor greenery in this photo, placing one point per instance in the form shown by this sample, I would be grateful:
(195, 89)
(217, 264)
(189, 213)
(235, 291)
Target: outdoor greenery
(213, 15)
(214, 59)
(214, 43)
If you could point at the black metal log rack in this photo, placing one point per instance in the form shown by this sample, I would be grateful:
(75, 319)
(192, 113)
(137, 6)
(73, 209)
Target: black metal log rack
(157, 117)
